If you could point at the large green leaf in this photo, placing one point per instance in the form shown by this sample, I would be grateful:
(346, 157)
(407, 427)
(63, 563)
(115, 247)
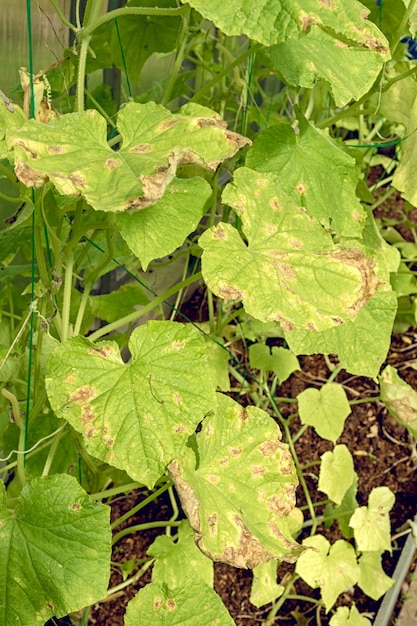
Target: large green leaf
(399, 398)
(349, 70)
(371, 524)
(325, 409)
(161, 605)
(313, 168)
(271, 21)
(333, 568)
(175, 562)
(135, 416)
(55, 551)
(362, 344)
(290, 271)
(240, 493)
(136, 37)
(74, 154)
(158, 230)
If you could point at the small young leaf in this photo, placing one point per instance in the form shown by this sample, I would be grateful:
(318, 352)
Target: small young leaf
(112, 306)
(346, 617)
(55, 549)
(332, 568)
(240, 495)
(265, 588)
(325, 409)
(135, 416)
(336, 473)
(372, 580)
(371, 524)
(279, 360)
(177, 561)
(169, 606)
(399, 398)
(346, 508)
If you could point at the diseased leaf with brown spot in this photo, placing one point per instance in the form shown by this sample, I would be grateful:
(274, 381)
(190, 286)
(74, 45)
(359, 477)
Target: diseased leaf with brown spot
(290, 270)
(135, 416)
(154, 144)
(240, 496)
(399, 398)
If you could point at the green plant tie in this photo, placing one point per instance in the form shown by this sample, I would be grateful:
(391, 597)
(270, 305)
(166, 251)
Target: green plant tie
(129, 89)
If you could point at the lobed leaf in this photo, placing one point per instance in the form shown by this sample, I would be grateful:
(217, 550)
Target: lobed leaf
(279, 360)
(325, 409)
(158, 603)
(373, 580)
(271, 21)
(135, 416)
(290, 271)
(333, 568)
(348, 617)
(73, 153)
(399, 398)
(55, 551)
(371, 524)
(265, 588)
(314, 170)
(239, 494)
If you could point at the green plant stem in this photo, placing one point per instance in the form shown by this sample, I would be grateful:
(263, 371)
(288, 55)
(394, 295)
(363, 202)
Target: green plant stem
(382, 199)
(129, 581)
(363, 400)
(276, 607)
(7, 173)
(132, 317)
(62, 17)
(67, 296)
(82, 60)
(220, 75)
(141, 505)
(138, 527)
(21, 446)
(44, 273)
(282, 399)
(115, 491)
(124, 11)
(175, 510)
(100, 108)
(402, 27)
(52, 452)
(11, 199)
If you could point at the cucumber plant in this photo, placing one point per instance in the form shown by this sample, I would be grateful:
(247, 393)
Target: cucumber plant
(243, 165)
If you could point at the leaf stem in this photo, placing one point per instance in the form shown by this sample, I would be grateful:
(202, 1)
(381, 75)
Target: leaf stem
(138, 527)
(153, 496)
(67, 296)
(132, 317)
(402, 27)
(62, 17)
(179, 58)
(276, 607)
(111, 593)
(115, 491)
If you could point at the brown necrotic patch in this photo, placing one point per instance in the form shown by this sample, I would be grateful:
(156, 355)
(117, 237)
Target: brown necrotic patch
(235, 451)
(300, 188)
(75, 506)
(109, 442)
(86, 393)
(168, 124)
(171, 605)
(243, 415)
(219, 233)
(279, 505)
(26, 148)
(55, 149)
(210, 121)
(87, 414)
(178, 345)
(112, 163)
(326, 4)
(106, 352)
(275, 204)
(258, 470)
(90, 432)
(180, 429)
(268, 448)
(30, 177)
(212, 523)
(230, 293)
(157, 604)
(141, 148)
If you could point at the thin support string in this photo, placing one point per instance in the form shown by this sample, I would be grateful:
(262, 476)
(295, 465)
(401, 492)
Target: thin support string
(32, 317)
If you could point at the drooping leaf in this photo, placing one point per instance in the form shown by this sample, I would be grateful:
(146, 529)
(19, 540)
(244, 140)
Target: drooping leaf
(290, 271)
(371, 524)
(265, 588)
(157, 603)
(344, 511)
(325, 409)
(398, 104)
(362, 344)
(158, 230)
(74, 154)
(399, 398)
(55, 551)
(313, 169)
(333, 568)
(240, 494)
(177, 561)
(136, 37)
(279, 360)
(274, 21)
(135, 416)
(373, 580)
(348, 617)
(336, 473)
(349, 70)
